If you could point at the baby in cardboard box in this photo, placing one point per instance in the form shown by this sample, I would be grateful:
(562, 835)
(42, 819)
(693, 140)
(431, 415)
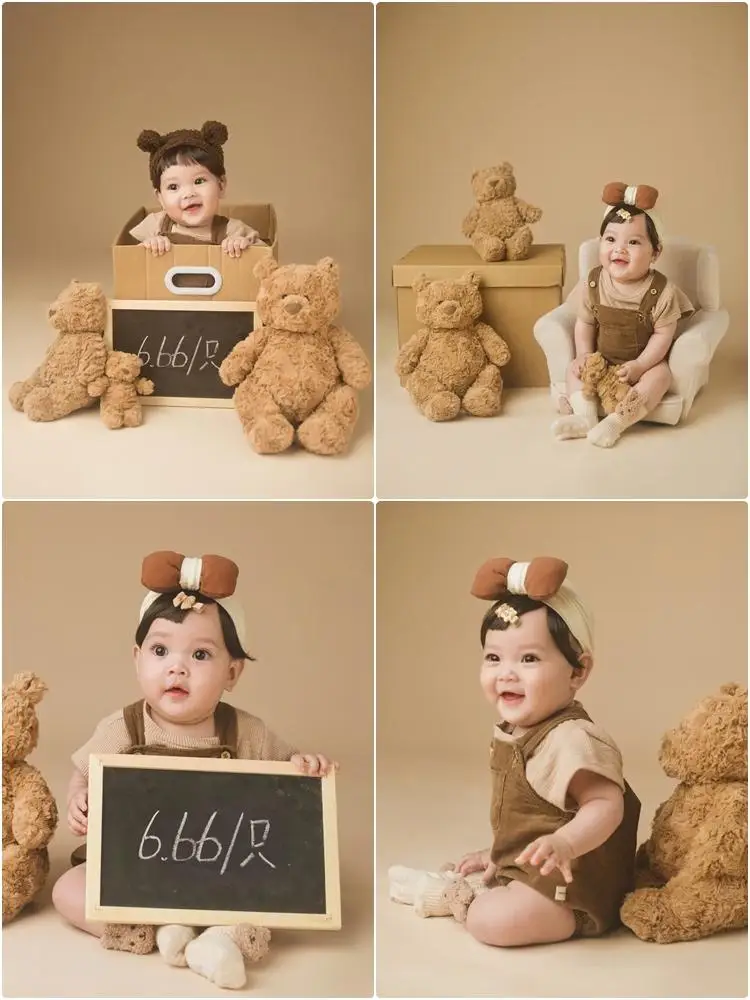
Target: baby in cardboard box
(187, 172)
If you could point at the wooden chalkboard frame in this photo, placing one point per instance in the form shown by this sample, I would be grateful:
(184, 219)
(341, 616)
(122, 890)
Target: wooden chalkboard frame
(155, 305)
(330, 920)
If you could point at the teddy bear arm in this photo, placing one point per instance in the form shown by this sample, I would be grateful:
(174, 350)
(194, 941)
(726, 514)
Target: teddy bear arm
(240, 361)
(470, 223)
(92, 363)
(494, 346)
(34, 809)
(144, 386)
(351, 359)
(529, 213)
(719, 847)
(410, 353)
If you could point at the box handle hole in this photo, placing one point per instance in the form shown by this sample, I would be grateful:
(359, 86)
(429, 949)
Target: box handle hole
(187, 280)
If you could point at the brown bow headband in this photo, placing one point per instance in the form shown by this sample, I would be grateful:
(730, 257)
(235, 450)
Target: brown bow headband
(542, 579)
(165, 571)
(642, 196)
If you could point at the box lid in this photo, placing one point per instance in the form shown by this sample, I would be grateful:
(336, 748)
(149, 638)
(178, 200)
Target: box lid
(544, 267)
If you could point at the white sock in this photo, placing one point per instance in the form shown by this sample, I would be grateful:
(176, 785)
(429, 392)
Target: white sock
(402, 882)
(216, 957)
(171, 940)
(579, 423)
(429, 892)
(609, 431)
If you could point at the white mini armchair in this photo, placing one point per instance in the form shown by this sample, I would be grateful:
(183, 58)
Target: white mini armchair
(695, 269)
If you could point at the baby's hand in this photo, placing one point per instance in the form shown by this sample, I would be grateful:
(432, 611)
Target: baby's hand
(552, 851)
(476, 861)
(630, 372)
(78, 807)
(579, 363)
(234, 245)
(158, 245)
(314, 764)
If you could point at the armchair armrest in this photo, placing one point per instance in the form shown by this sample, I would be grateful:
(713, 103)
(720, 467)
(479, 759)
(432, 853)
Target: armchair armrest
(692, 352)
(554, 334)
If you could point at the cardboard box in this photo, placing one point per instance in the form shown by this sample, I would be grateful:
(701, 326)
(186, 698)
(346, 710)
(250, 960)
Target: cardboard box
(140, 275)
(515, 295)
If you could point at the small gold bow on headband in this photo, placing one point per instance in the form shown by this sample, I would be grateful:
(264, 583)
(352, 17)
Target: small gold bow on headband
(624, 214)
(187, 602)
(508, 614)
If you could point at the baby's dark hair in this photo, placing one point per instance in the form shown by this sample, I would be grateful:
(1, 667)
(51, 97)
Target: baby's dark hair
(212, 160)
(612, 216)
(562, 637)
(163, 607)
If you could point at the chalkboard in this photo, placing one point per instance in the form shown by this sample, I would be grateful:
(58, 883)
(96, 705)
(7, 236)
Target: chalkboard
(181, 346)
(205, 841)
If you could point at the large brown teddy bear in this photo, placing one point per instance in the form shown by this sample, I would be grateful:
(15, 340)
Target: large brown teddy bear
(453, 362)
(600, 382)
(497, 225)
(692, 871)
(72, 373)
(299, 372)
(120, 404)
(29, 810)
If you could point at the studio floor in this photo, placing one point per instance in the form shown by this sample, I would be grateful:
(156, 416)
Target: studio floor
(514, 456)
(434, 810)
(45, 957)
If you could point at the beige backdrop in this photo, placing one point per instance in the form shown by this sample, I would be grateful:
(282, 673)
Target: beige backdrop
(293, 82)
(574, 95)
(667, 583)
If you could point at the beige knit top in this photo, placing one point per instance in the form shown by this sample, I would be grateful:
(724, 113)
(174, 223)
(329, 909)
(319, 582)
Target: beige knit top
(255, 741)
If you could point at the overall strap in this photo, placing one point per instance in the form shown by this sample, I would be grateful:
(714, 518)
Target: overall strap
(528, 743)
(133, 715)
(652, 293)
(219, 228)
(592, 285)
(225, 720)
(166, 226)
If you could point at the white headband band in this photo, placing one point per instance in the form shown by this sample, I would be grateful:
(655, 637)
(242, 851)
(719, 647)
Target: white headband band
(565, 602)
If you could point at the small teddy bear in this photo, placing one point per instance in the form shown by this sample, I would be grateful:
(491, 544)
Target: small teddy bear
(72, 373)
(29, 809)
(691, 873)
(453, 361)
(120, 404)
(496, 225)
(600, 381)
(297, 374)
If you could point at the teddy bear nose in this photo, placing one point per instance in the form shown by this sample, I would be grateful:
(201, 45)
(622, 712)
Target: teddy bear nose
(292, 305)
(450, 307)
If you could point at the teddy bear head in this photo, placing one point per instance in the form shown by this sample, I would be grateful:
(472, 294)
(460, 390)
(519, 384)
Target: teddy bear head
(300, 298)
(123, 367)
(448, 305)
(20, 724)
(594, 369)
(493, 182)
(710, 744)
(80, 308)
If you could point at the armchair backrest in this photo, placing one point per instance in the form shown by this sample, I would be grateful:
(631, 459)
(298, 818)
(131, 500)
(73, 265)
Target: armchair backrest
(695, 269)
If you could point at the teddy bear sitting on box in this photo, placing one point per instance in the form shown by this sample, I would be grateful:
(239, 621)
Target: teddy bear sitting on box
(600, 381)
(497, 225)
(120, 404)
(453, 361)
(29, 810)
(692, 871)
(299, 372)
(72, 373)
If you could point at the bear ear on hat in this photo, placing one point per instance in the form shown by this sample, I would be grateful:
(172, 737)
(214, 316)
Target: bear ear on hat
(420, 283)
(215, 132)
(265, 267)
(149, 141)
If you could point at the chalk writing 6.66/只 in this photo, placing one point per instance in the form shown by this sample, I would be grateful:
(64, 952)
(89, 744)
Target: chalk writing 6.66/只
(177, 358)
(189, 848)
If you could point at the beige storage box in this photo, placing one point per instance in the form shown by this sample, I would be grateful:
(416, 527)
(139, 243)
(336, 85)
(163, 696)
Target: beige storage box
(515, 295)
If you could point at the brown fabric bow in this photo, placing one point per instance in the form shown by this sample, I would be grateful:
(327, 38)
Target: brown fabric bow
(645, 196)
(544, 577)
(161, 572)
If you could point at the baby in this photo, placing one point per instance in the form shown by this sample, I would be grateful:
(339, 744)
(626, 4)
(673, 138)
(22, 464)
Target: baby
(189, 648)
(187, 172)
(628, 312)
(564, 821)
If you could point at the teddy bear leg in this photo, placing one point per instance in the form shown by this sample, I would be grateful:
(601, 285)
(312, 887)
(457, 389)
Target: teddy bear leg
(266, 427)
(133, 416)
(112, 416)
(518, 246)
(685, 910)
(53, 402)
(328, 430)
(24, 874)
(483, 398)
(431, 396)
(19, 391)
(490, 248)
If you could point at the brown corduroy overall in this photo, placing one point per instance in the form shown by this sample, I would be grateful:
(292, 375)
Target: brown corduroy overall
(218, 232)
(623, 333)
(225, 723)
(519, 815)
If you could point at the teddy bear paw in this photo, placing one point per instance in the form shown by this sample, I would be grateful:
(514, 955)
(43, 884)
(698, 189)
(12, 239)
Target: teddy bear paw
(442, 406)
(270, 435)
(480, 401)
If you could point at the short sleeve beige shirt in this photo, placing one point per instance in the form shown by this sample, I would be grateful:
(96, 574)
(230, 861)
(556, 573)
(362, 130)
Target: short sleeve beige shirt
(574, 745)
(255, 741)
(151, 225)
(671, 306)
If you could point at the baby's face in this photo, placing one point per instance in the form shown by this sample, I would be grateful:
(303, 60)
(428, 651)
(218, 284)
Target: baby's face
(625, 251)
(524, 675)
(184, 668)
(190, 194)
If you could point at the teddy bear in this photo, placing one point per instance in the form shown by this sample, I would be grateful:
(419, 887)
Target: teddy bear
(453, 361)
(691, 874)
(29, 810)
(496, 225)
(72, 373)
(297, 374)
(120, 406)
(600, 381)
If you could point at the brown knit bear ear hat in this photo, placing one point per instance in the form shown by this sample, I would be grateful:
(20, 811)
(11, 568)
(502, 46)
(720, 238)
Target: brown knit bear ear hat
(210, 138)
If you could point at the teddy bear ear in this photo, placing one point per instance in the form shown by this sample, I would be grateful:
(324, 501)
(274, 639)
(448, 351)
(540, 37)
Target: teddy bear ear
(215, 132)
(472, 278)
(731, 688)
(328, 264)
(420, 283)
(28, 684)
(265, 266)
(149, 141)
(475, 174)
